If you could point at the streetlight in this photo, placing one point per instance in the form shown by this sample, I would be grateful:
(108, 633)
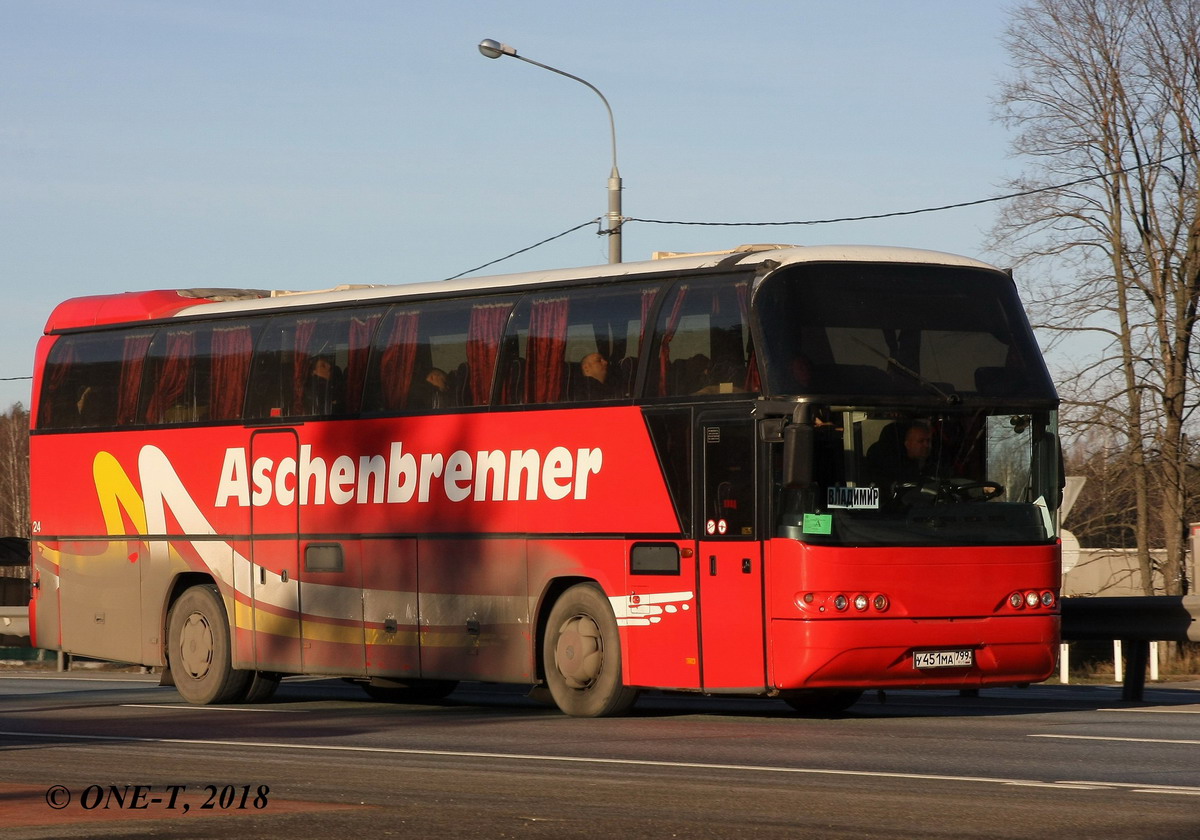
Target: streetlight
(494, 49)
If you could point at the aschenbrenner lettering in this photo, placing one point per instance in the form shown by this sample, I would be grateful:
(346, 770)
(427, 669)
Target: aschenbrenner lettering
(400, 476)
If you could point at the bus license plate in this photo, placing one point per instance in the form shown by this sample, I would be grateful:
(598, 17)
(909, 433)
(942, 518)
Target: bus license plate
(944, 658)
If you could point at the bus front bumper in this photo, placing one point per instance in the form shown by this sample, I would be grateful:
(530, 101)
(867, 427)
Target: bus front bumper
(913, 653)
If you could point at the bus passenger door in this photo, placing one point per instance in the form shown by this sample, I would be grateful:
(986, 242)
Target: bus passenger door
(729, 557)
(274, 544)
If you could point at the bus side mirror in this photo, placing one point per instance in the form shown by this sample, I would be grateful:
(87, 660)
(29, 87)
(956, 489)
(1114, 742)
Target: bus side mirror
(797, 455)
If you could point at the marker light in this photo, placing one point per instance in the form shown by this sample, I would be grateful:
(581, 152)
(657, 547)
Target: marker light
(839, 602)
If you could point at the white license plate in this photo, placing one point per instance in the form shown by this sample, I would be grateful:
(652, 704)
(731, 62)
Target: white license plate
(944, 658)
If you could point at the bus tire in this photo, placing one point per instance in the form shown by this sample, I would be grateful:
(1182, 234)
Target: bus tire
(262, 686)
(821, 701)
(581, 654)
(199, 651)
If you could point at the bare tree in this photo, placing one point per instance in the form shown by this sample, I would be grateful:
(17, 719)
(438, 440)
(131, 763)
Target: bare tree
(1106, 99)
(14, 472)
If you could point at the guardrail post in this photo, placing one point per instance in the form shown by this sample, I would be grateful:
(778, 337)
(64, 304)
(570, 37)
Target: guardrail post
(1137, 654)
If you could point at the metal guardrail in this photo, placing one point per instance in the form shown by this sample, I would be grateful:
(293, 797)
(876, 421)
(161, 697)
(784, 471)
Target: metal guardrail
(14, 621)
(1135, 622)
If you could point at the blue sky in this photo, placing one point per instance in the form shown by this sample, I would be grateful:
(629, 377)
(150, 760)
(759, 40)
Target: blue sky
(295, 144)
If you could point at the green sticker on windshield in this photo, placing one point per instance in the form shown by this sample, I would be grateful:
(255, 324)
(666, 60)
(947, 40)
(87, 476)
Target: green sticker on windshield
(818, 523)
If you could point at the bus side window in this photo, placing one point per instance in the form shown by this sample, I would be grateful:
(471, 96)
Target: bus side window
(176, 378)
(417, 348)
(266, 394)
(93, 381)
(231, 347)
(702, 341)
(535, 367)
(394, 360)
(579, 346)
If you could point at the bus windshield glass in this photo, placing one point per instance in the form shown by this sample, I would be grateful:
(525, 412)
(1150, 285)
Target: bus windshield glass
(905, 478)
(887, 330)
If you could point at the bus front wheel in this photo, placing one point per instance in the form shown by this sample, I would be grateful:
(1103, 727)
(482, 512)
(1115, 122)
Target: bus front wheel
(199, 652)
(581, 654)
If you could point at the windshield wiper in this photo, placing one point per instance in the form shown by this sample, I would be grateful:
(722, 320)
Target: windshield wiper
(951, 398)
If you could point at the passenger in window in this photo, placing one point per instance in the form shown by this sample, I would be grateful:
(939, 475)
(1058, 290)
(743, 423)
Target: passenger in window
(596, 384)
(97, 406)
(324, 388)
(433, 391)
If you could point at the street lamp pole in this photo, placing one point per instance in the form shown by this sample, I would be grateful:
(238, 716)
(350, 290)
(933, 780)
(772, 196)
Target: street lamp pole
(494, 49)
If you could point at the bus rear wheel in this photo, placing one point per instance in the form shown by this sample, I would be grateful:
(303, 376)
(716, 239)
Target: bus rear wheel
(262, 686)
(581, 654)
(199, 652)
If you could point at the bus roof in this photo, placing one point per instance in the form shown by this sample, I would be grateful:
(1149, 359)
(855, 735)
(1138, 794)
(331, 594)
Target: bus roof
(102, 310)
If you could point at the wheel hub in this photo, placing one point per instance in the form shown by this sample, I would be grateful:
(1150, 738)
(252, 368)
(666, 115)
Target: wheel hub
(196, 645)
(579, 654)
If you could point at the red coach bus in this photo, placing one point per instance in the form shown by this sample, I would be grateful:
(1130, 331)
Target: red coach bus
(792, 472)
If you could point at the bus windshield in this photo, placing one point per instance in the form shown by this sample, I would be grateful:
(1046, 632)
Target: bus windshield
(889, 330)
(905, 478)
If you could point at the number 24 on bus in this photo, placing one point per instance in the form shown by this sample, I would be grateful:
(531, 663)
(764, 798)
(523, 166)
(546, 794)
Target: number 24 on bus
(775, 471)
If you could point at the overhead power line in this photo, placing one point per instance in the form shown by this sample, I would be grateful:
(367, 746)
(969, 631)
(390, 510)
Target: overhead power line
(529, 248)
(862, 218)
(937, 209)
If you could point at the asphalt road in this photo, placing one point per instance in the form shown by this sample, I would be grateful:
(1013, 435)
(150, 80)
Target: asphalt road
(113, 755)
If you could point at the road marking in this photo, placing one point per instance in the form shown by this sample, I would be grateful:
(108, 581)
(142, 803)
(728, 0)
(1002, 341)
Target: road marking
(1156, 711)
(1113, 738)
(627, 762)
(1179, 790)
(210, 708)
(18, 675)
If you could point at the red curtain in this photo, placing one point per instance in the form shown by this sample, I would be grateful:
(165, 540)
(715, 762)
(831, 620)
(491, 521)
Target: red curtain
(231, 350)
(546, 350)
(57, 409)
(398, 360)
(664, 349)
(305, 329)
(133, 360)
(483, 344)
(362, 327)
(647, 307)
(173, 376)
